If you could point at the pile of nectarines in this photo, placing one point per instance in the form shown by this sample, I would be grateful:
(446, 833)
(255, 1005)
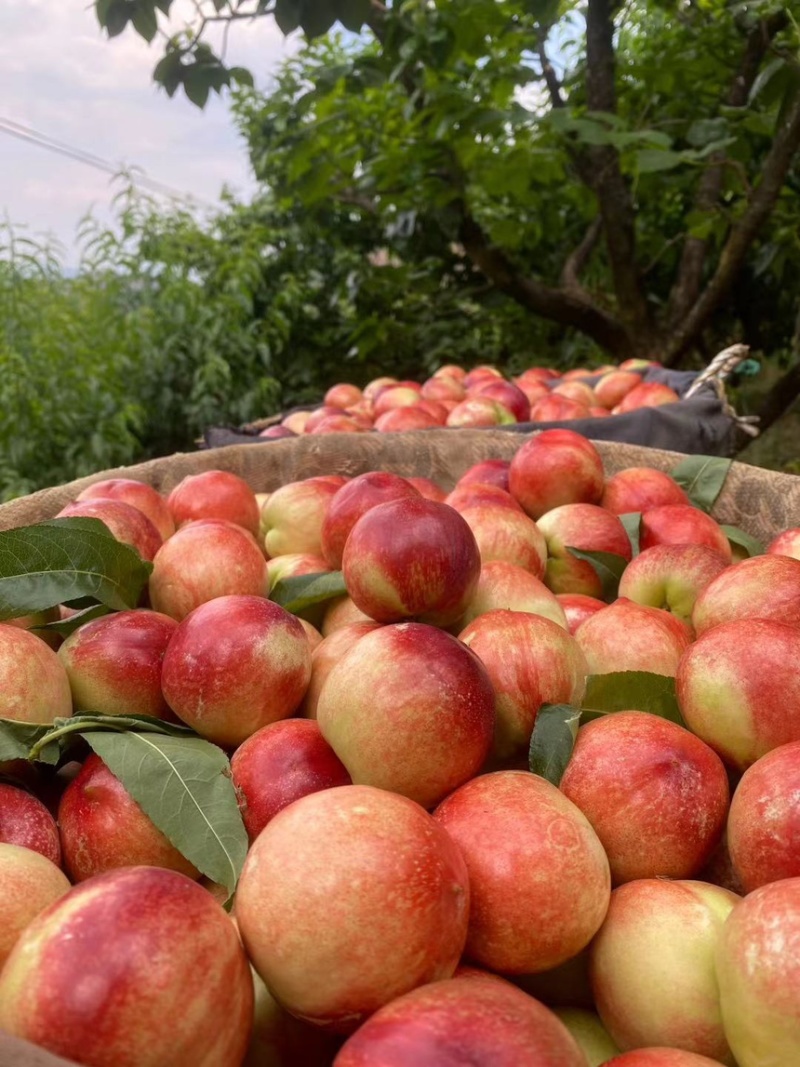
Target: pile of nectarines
(413, 893)
(483, 396)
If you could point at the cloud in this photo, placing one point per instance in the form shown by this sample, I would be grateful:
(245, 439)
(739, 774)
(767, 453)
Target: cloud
(60, 76)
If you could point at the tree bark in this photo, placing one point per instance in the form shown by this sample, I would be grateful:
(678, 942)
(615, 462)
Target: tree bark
(780, 398)
(632, 331)
(558, 305)
(605, 176)
(776, 166)
(576, 261)
(688, 282)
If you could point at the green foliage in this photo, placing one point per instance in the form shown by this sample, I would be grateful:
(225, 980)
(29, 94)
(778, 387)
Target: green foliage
(381, 155)
(176, 322)
(61, 561)
(190, 63)
(555, 731)
(743, 541)
(302, 591)
(446, 127)
(703, 478)
(64, 371)
(182, 782)
(449, 116)
(552, 740)
(633, 690)
(155, 338)
(608, 567)
(340, 124)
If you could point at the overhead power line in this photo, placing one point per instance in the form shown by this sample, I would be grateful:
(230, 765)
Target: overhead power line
(41, 140)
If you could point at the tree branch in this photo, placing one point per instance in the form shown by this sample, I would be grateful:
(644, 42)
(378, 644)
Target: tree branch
(577, 259)
(780, 398)
(550, 77)
(605, 176)
(689, 278)
(377, 18)
(358, 200)
(559, 305)
(765, 195)
(578, 158)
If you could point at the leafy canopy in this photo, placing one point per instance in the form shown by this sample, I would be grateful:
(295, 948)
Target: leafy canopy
(620, 170)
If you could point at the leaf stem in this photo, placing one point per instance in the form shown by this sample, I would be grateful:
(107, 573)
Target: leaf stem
(71, 726)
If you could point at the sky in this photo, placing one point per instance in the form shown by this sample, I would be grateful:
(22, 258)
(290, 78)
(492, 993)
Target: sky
(61, 77)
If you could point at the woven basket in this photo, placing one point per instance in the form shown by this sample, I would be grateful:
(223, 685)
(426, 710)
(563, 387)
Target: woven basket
(760, 501)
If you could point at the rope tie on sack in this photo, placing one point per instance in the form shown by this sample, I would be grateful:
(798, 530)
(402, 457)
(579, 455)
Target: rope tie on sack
(720, 368)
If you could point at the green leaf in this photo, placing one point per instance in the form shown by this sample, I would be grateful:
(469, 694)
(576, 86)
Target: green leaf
(242, 76)
(751, 545)
(764, 77)
(790, 94)
(54, 740)
(144, 20)
(17, 739)
(302, 590)
(651, 160)
(197, 85)
(702, 228)
(543, 10)
(101, 10)
(705, 131)
(62, 560)
(707, 149)
(67, 626)
(316, 19)
(353, 13)
(552, 740)
(183, 785)
(113, 15)
(169, 72)
(760, 123)
(144, 723)
(608, 567)
(633, 691)
(703, 478)
(287, 15)
(588, 132)
(631, 520)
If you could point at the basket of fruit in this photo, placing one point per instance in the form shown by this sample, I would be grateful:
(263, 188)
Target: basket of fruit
(639, 402)
(338, 751)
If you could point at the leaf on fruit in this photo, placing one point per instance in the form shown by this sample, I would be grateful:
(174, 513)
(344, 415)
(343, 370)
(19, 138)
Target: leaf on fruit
(741, 539)
(64, 560)
(18, 738)
(184, 785)
(552, 740)
(630, 520)
(67, 626)
(299, 592)
(49, 743)
(146, 723)
(633, 691)
(703, 478)
(607, 565)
